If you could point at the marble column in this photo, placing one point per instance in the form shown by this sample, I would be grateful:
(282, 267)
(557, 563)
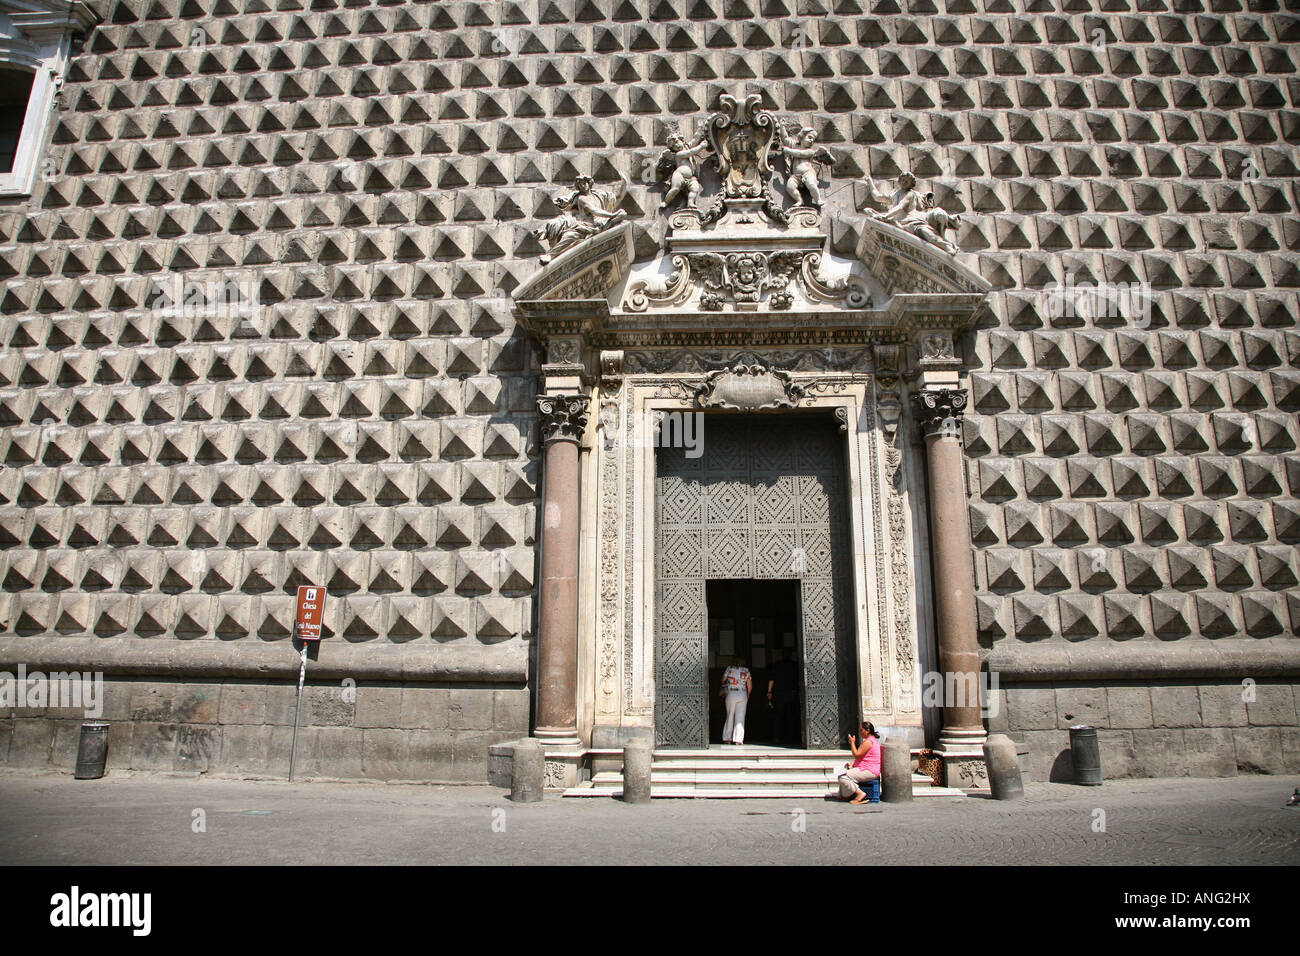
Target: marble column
(939, 413)
(564, 419)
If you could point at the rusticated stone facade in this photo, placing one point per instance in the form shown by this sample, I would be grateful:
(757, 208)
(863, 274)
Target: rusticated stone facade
(368, 177)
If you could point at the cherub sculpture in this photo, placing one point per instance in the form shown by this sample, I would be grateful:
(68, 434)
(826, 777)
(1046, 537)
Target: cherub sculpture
(914, 212)
(746, 275)
(583, 213)
(683, 158)
(804, 161)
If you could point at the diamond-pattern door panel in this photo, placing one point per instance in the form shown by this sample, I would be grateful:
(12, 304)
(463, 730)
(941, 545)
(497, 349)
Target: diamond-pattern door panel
(681, 605)
(822, 718)
(774, 553)
(763, 502)
(681, 660)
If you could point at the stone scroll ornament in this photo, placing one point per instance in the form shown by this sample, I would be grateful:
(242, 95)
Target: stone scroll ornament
(847, 289)
(939, 411)
(661, 290)
(564, 417)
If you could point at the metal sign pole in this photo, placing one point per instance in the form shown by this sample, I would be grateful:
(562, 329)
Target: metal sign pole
(302, 674)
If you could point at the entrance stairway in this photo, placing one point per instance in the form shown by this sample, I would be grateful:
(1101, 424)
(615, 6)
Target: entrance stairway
(747, 772)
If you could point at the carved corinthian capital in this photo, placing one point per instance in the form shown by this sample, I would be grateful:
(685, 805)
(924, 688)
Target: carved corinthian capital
(938, 411)
(564, 417)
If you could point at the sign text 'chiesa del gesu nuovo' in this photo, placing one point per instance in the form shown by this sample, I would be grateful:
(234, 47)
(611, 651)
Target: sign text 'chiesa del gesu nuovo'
(579, 347)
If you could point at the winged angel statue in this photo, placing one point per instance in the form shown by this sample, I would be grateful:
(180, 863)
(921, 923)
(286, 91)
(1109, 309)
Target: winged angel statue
(804, 161)
(683, 158)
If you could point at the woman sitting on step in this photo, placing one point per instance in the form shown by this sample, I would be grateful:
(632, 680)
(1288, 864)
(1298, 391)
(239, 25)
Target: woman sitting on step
(865, 767)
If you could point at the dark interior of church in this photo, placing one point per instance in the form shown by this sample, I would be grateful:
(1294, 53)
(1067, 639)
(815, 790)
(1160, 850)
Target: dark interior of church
(754, 623)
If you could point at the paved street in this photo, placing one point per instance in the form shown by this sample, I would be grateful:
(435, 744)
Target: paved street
(152, 819)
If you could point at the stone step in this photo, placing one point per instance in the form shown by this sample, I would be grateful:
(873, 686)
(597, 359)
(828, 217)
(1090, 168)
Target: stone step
(750, 753)
(684, 779)
(753, 768)
(918, 780)
(750, 771)
(616, 790)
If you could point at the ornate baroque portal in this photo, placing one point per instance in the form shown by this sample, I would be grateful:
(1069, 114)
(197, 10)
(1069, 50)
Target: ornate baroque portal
(765, 317)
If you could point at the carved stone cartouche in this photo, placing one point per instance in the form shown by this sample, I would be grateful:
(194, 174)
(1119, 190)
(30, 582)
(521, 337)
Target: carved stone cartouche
(749, 387)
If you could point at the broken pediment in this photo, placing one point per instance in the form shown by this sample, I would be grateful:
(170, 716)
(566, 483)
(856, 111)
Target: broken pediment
(789, 268)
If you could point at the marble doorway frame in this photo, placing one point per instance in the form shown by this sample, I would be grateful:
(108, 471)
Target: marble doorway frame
(617, 639)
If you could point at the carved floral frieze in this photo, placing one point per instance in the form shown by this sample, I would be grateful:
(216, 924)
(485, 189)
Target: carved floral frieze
(686, 361)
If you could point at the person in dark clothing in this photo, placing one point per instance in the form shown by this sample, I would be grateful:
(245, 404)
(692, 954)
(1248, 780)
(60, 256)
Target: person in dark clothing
(782, 699)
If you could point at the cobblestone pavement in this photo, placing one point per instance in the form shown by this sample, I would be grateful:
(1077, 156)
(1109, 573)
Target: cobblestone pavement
(48, 818)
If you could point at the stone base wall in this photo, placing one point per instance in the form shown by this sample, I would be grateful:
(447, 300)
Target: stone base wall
(1168, 729)
(417, 712)
(390, 731)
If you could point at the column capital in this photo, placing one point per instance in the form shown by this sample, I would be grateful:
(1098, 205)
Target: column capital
(564, 417)
(939, 411)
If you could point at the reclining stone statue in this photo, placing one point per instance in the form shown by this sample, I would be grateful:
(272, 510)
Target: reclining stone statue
(584, 212)
(914, 212)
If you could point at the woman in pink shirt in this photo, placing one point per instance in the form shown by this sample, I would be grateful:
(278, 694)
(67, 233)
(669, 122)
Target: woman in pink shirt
(865, 766)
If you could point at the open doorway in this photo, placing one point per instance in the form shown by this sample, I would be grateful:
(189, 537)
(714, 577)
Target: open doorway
(755, 622)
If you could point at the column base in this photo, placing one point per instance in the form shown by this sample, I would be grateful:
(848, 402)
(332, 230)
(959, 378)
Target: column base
(954, 739)
(964, 769)
(563, 753)
(566, 736)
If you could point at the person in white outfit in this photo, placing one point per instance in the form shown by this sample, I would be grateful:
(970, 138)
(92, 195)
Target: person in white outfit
(737, 683)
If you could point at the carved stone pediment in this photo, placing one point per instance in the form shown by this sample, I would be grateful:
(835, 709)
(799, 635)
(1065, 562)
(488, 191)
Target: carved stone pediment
(904, 264)
(748, 387)
(586, 270)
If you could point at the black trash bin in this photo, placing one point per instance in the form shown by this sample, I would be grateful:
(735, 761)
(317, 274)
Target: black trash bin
(92, 751)
(1086, 753)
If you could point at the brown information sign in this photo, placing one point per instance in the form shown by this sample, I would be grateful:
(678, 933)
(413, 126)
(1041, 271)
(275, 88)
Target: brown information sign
(311, 611)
